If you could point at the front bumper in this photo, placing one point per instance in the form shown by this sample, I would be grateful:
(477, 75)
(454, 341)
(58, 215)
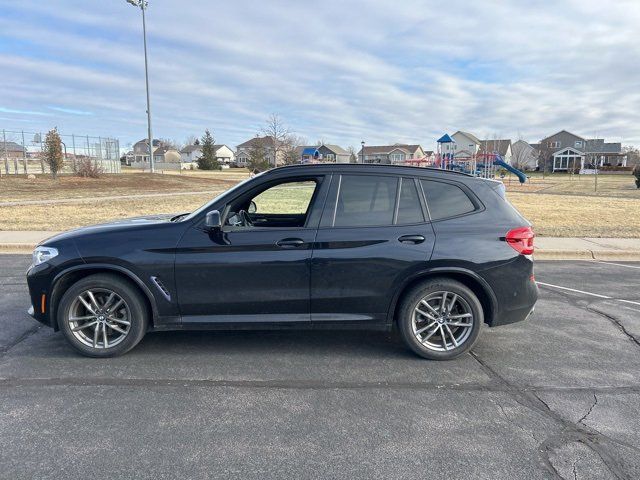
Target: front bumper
(39, 282)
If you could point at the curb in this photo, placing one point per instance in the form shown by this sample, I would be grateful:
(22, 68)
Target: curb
(17, 248)
(620, 255)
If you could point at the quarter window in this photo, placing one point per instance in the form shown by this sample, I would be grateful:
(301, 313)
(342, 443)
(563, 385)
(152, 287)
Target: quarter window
(365, 201)
(409, 208)
(446, 200)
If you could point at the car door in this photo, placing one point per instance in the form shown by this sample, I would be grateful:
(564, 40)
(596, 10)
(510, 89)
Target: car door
(374, 233)
(258, 272)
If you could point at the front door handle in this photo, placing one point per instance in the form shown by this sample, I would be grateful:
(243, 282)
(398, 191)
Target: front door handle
(290, 243)
(411, 239)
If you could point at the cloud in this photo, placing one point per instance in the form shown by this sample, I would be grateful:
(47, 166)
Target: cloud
(20, 112)
(70, 111)
(343, 70)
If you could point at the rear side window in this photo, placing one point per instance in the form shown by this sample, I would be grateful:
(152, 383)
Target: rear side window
(365, 201)
(446, 200)
(409, 208)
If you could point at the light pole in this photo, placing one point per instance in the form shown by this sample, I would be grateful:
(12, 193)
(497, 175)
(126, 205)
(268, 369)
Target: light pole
(143, 5)
(362, 143)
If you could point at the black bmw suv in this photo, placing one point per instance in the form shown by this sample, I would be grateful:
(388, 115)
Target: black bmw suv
(434, 253)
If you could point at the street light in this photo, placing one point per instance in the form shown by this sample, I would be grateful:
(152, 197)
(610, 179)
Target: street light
(362, 143)
(143, 5)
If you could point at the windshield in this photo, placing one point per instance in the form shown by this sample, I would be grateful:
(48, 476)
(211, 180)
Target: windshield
(207, 205)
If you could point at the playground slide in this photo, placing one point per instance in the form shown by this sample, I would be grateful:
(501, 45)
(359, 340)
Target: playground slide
(521, 176)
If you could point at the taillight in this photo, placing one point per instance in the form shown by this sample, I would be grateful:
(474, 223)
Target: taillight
(521, 240)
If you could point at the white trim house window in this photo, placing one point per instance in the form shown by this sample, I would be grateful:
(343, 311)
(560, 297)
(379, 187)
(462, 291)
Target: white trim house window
(578, 144)
(396, 157)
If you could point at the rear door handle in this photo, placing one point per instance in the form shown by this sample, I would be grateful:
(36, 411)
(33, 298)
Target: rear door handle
(290, 243)
(411, 239)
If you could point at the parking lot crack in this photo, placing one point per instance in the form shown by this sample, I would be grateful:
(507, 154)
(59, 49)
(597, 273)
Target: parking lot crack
(595, 402)
(515, 423)
(615, 322)
(576, 432)
(21, 338)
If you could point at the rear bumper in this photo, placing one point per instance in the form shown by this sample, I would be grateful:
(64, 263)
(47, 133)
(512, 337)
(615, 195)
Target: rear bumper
(515, 289)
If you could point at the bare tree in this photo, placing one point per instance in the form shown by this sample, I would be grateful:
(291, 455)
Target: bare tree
(290, 149)
(191, 140)
(276, 129)
(353, 158)
(167, 142)
(633, 155)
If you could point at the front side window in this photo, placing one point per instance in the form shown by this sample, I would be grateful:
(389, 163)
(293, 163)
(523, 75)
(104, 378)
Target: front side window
(446, 200)
(284, 205)
(365, 201)
(289, 198)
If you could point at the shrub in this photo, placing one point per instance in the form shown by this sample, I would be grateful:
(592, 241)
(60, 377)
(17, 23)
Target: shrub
(636, 173)
(88, 169)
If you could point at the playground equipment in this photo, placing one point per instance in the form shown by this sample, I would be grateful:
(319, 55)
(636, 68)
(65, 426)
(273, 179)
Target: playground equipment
(518, 173)
(480, 164)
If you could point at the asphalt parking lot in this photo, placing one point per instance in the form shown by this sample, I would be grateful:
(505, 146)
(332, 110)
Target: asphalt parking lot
(557, 396)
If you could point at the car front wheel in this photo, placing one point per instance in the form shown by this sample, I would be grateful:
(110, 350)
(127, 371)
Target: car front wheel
(440, 319)
(103, 315)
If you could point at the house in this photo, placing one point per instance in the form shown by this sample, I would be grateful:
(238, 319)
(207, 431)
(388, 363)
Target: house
(164, 156)
(12, 150)
(267, 144)
(191, 153)
(323, 153)
(564, 151)
(139, 157)
(501, 147)
(524, 156)
(464, 144)
(396, 153)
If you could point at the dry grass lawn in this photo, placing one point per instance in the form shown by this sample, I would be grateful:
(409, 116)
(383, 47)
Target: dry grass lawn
(608, 185)
(45, 188)
(579, 216)
(569, 214)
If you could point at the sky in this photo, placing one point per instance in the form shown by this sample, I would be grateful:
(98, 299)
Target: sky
(338, 71)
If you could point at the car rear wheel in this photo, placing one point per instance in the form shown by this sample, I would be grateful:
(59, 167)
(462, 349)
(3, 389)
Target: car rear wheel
(103, 315)
(440, 319)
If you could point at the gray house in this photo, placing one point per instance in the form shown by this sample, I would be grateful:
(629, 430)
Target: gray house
(323, 153)
(524, 156)
(564, 151)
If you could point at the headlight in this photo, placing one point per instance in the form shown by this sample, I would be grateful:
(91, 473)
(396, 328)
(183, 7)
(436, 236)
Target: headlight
(43, 254)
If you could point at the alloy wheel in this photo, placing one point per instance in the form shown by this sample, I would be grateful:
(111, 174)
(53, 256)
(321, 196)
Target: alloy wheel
(442, 321)
(99, 318)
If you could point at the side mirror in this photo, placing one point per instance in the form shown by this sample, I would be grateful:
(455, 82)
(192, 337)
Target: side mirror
(252, 207)
(213, 221)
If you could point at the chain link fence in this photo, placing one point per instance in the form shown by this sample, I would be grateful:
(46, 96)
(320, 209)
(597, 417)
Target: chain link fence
(21, 152)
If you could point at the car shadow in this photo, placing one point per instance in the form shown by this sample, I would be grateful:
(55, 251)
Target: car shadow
(257, 342)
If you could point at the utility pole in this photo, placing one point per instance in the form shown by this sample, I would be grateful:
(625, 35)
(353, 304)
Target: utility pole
(143, 5)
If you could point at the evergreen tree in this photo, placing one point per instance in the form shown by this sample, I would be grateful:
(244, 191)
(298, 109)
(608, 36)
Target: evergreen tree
(257, 159)
(52, 152)
(208, 159)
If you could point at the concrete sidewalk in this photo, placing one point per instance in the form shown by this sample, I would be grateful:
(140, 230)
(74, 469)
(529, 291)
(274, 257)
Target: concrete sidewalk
(547, 248)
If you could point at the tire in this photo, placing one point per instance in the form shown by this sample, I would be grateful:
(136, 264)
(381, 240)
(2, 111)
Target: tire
(462, 323)
(100, 318)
